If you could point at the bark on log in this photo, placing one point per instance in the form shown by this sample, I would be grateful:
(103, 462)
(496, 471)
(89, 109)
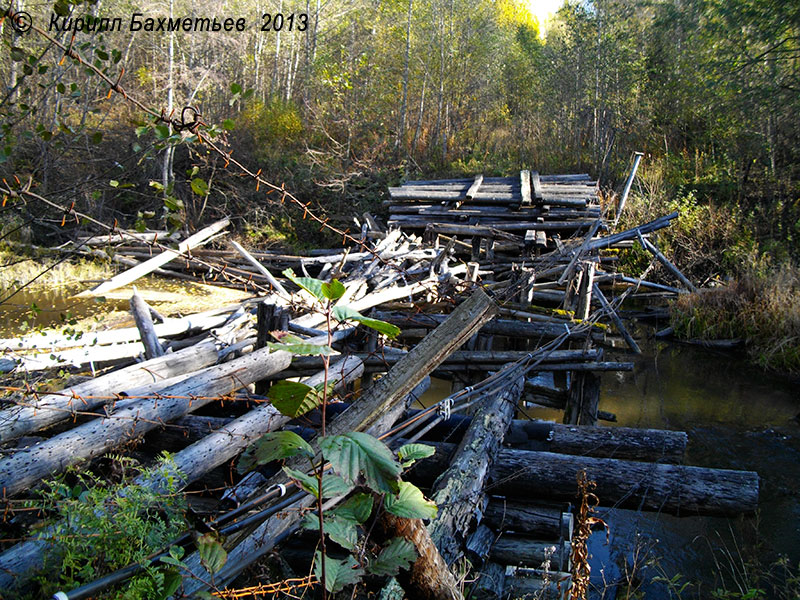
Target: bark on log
(525, 552)
(27, 467)
(535, 521)
(674, 489)
(459, 489)
(53, 408)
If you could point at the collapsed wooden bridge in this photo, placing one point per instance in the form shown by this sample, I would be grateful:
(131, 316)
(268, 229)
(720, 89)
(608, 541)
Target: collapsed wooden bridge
(506, 287)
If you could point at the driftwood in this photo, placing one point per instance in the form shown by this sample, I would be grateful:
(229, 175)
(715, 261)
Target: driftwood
(143, 269)
(674, 489)
(53, 408)
(27, 467)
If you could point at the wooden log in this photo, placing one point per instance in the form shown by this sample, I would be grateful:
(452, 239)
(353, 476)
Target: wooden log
(525, 552)
(648, 245)
(675, 489)
(144, 323)
(475, 231)
(583, 400)
(616, 320)
(550, 586)
(459, 489)
(631, 234)
(491, 583)
(135, 273)
(637, 157)
(17, 421)
(473, 189)
(27, 467)
(525, 187)
(533, 520)
(261, 269)
(536, 184)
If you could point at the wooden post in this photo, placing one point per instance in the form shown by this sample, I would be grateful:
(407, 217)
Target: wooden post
(616, 320)
(144, 322)
(584, 397)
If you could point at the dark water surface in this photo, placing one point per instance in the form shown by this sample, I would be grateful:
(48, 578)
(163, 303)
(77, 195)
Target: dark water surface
(737, 417)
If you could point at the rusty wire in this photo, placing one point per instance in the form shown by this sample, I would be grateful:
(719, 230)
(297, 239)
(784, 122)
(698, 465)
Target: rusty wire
(262, 590)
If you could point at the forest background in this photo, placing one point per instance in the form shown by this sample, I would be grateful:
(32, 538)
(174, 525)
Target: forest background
(362, 94)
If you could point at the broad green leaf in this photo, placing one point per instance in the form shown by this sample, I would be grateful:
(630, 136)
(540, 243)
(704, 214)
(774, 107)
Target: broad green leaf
(162, 132)
(293, 398)
(355, 454)
(228, 124)
(338, 573)
(199, 186)
(342, 531)
(172, 581)
(410, 503)
(410, 453)
(345, 313)
(333, 486)
(113, 183)
(212, 554)
(356, 508)
(236, 88)
(309, 284)
(398, 554)
(305, 481)
(274, 446)
(333, 290)
(303, 349)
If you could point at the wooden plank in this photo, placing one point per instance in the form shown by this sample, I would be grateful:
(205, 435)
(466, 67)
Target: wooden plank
(536, 184)
(146, 267)
(525, 186)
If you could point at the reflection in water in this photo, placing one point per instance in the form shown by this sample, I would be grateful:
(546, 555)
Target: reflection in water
(737, 417)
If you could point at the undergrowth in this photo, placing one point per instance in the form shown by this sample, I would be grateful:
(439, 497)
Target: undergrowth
(94, 527)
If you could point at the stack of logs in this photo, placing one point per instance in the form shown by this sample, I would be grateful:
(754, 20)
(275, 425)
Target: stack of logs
(503, 484)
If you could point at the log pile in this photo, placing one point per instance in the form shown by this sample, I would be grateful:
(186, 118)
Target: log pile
(503, 484)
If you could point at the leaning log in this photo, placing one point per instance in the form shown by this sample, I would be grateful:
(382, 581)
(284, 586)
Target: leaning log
(459, 489)
(20, 420)
(29, 466)
(144, 323)
(675, 489)
(146, 267)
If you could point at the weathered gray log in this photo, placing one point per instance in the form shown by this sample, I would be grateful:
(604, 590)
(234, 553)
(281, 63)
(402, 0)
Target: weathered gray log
(473, 189)
(616, 320)
(648, 245)
(261, 269)
(631, 234)
(526, 552)
(190, 464)
(144, 323)
(491, 583)
(525, 186)
(146, 267)
(27, 467)
(534, 585)
(459, 489)
(674, 489)
(637, 157)
(53, 408)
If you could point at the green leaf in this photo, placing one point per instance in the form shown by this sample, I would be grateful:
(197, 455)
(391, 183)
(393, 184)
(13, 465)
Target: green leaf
(172, 581)
(199, 186)
(356, 453)
(338, 573)
(410, 453)
(212, 554)
(342, 531)
(410, 503)
(61, 88)
(17, 54)
(236, 89)
(273, 446)
(172, 203)
(173, 561)
(345, 313)
(162, 132)
(61, 8)
(309, 284)
(229, 124)
(96, 137)
(140, 131)
(101, 54)
(398, 554)
(293, 398)
(333, 486)
(333, 290)
(299, 346)
(113, 183)
(357, 508)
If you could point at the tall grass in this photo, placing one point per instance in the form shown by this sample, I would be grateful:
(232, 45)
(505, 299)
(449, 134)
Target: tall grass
(761, 308)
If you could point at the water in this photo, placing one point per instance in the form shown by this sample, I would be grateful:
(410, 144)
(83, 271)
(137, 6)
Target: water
(737, 417)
